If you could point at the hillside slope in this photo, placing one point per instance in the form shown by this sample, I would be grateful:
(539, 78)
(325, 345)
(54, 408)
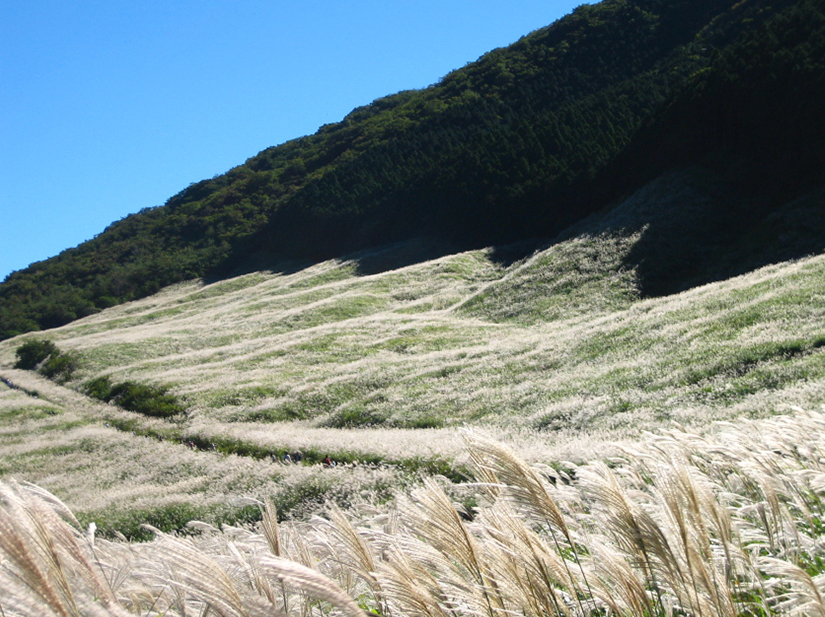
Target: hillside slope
(379, 362)
(369, 360)
(520, 144)
(561, 338)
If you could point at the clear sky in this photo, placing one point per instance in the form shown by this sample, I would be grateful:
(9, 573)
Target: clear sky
(109, 106)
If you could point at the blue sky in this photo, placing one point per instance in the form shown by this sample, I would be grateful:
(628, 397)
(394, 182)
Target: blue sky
(107, 106)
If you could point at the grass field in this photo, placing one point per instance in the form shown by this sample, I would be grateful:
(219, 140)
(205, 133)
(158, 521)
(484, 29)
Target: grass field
(386, 367)
(678, 524)
(556, 355)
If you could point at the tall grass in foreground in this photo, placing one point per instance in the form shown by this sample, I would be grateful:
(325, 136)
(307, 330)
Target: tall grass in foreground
(679, 525)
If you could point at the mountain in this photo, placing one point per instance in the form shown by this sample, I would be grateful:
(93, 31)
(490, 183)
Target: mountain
(522, 144)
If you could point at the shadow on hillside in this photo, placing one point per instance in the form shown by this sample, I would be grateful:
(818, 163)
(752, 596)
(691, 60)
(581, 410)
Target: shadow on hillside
(400, 255)
(384, 258)
(694, 228)
(262, 261)
(419, 250)
(508, 254)
(697, 229)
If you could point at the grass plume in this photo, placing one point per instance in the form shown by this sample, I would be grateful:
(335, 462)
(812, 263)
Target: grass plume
(676, 525)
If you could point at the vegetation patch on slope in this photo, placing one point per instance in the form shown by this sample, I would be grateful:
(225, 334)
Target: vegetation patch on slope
(146, 399)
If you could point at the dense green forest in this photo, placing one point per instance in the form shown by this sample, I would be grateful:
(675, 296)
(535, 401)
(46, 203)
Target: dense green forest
(518, 145)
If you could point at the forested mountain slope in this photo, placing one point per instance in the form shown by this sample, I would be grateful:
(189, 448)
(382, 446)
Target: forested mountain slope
(523, 143)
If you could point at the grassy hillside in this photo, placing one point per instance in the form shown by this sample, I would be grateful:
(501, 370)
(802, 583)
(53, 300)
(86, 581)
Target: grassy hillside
(517, 145)
(555, 352)
(468, 338)
(678, 524)
(683, 287)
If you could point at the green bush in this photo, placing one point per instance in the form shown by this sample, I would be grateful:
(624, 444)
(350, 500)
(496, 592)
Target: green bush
(297, 500)
(146, 399)
(59, 366)
(31, 353)
(354, 417)
(99, 388)
(168, 518)
(46, 358)
(141, 398)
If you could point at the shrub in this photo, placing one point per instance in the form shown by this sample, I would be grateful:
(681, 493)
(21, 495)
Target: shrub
(169, 518)
(31, 353)
(141, 398)
(59, 366)
(146, 399)
(354, 417)
(99, 388)
(44, 356)
(299, 499)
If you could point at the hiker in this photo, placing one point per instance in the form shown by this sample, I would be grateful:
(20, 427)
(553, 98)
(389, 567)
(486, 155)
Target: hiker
(327, 461)
(287, 457)
(298, 456)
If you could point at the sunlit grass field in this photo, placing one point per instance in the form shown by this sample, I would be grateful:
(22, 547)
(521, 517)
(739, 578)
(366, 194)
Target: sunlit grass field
(678, 524)
(573, 424)
(553, 351)
(460, 340)
(387, 367)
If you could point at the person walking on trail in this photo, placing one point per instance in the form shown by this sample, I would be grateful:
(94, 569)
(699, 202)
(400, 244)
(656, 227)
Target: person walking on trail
(327, 462)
